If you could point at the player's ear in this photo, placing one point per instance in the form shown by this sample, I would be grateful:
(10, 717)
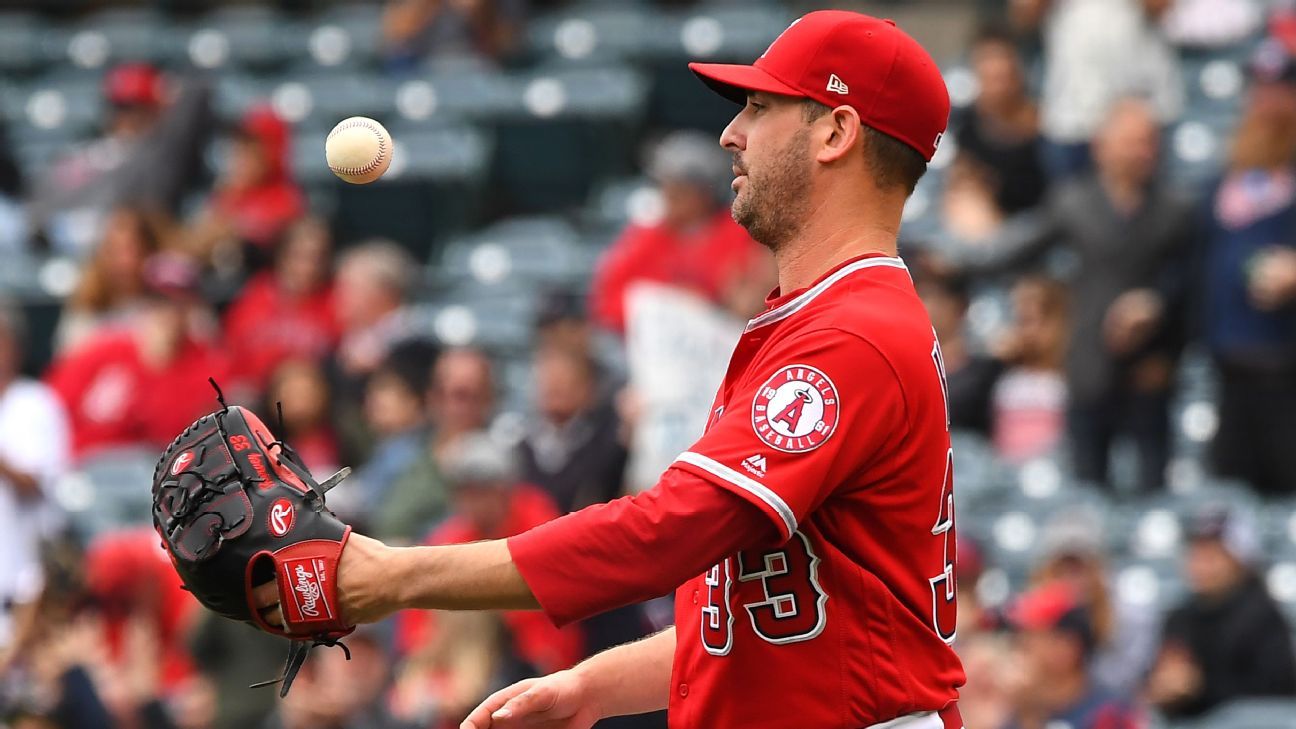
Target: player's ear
(839, 134)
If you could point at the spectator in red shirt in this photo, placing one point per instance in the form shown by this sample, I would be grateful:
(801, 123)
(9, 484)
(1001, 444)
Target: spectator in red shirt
(488, 502)
(256, 199)
(696, 245)
(287, 312)
(141, 386)
(129, 579)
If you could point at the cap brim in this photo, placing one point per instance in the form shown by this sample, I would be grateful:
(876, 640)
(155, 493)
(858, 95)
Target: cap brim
(733, 81)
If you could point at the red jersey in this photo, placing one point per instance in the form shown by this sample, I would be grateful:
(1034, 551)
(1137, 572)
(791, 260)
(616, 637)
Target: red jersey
(832, 419)
(115, 397)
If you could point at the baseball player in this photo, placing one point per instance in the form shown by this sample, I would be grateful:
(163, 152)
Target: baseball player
(809, 534)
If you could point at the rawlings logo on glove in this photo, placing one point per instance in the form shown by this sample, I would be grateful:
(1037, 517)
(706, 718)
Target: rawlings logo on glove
(235, 507)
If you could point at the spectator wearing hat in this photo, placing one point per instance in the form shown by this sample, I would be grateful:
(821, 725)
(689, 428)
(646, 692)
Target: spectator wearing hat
(111, 287)
(34, 452)
(695, 245)
(1124, 632)
(256, 199)
(1229, 638)
(1050, 683)
(1248, 278)
(149, 156)
(142, 385)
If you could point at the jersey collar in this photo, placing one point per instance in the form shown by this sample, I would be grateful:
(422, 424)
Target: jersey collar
(781, 306)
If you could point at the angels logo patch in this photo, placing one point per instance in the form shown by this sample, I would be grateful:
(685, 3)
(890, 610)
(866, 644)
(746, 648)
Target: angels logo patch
(796, 410)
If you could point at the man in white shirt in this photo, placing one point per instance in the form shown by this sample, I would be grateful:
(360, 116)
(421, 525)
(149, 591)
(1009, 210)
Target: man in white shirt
(33, 453)
(1097, 52)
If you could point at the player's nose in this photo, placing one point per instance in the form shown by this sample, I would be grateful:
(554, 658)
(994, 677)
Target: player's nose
(733, 138)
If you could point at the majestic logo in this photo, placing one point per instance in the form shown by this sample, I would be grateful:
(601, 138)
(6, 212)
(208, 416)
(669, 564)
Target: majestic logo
(306, 576)
(281, 517)
(796, 410)
(939, 137)
(182, 462)
(836, 85)
(755, 465)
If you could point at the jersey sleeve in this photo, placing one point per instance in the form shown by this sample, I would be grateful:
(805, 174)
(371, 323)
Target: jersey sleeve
(808, 415)
(634, 548)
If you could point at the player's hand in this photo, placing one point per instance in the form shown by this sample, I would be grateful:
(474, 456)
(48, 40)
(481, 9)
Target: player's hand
(364, 589)
(556, 701)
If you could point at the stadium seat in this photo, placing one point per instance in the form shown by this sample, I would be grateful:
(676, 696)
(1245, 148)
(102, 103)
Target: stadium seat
(60, 105)
(22, 38)
(247, 35)
(564, 131)
(433, 190)
(105, 494)
(519, 252)
(346, 34)
(325, 97)
(1253, 714)
(120, 34)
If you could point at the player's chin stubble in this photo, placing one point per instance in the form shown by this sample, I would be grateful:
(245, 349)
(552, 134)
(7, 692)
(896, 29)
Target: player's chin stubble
(772, 205)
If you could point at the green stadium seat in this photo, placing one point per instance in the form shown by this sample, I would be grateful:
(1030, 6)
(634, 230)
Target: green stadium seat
(248, 36)
(113, 35)
(433, 190)
(21, 36)
(1253, 714)
(564, 131)
(519, 252)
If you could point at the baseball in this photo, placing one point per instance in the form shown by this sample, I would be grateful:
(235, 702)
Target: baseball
(359, 150)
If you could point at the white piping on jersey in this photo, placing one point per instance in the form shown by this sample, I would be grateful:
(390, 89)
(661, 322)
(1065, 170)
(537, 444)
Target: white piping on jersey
(784, 311)
(755, 488)
(922, 720)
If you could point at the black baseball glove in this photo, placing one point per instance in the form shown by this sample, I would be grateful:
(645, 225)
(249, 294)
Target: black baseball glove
(235, 509)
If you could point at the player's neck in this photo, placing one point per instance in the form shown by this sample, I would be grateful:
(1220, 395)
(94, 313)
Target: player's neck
(827, 239)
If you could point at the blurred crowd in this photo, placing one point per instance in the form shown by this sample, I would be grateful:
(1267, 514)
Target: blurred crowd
(1056, 204)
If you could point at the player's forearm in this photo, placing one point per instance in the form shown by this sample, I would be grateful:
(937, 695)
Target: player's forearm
(630, 679)
(477, 576)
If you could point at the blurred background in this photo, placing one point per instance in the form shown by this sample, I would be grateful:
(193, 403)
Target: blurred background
(530, 312)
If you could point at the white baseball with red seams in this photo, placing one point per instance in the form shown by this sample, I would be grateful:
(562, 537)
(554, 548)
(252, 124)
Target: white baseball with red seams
(358, 150)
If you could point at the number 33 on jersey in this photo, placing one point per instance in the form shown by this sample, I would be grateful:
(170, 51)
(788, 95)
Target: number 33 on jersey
(833, 421)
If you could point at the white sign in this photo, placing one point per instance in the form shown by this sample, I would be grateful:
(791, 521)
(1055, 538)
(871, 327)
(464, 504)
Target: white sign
(678, 348)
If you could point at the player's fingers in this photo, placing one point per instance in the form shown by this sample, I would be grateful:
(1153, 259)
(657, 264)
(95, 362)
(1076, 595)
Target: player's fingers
(265, 595)
(480, 718)
(529, 702)
(273, 616)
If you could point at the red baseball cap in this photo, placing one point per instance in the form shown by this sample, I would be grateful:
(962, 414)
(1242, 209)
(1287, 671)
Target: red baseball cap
(837, 57)
(133, 84)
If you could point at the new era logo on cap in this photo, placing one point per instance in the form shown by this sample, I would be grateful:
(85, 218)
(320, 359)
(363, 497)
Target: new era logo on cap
(836, 85)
